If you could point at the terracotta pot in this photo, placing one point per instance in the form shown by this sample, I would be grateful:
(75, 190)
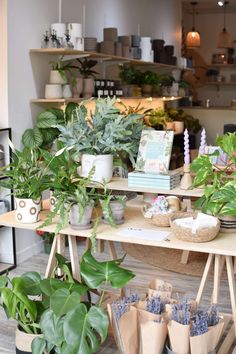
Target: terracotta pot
(85, 222)
(170, 126)
(88, 87)
(27, 210)
(23, 342)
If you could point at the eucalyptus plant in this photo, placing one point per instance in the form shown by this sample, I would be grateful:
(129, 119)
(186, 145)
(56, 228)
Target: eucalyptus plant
(104, 131)
(219, 181)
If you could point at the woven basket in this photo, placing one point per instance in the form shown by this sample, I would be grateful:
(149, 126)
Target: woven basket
(185, 234)
(163, 220)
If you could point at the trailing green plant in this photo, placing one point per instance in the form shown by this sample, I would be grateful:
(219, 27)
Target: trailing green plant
(44, 133)
(71, 324)
(27, 176)
(129, 75)
(220, 190)
(104, 131)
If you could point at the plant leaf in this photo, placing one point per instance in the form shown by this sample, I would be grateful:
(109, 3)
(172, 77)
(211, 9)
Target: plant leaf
(62, 301)
(32, 138)
(46, 119)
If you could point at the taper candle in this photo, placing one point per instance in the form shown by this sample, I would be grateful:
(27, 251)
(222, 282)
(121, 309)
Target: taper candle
(203, 143)
(84, 21)
(186, 148)
(60, 11)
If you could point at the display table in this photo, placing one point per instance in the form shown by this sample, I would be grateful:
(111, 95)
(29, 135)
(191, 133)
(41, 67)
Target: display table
(221, 251)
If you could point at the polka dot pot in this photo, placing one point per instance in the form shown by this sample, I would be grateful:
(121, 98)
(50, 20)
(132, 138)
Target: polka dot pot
(27, 210)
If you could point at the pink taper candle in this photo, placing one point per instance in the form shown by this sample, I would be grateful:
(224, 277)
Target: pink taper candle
(186, 148)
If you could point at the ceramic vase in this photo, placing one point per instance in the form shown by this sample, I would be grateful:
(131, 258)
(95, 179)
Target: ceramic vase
(23, 342)
(103, 167)
(53, 91)
(88, 87)
(27, 211)
(56, 78)
(85, 222)
(66, 91)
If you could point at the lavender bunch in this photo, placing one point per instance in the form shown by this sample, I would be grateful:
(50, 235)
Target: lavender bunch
(121, 306)
(155, 305)
(181, 312)
(199, 324)
(212, 315)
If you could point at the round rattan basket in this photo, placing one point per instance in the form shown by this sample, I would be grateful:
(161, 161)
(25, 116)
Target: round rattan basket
(185, 234)
(163, 220)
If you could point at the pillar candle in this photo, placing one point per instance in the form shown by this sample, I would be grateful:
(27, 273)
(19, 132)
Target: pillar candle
(186, 148)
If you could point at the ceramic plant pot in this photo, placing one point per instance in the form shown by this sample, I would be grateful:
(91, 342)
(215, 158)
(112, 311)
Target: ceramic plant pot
(147, 90)
(103, 167)
(56, 78)
(23, 342)
(79, 87)
(118, 210)
(88, 87)
(170, 125)
(27, 210)
(85, 223)
(178, 127)
(53, 91)
(66, 91)
(227, 223)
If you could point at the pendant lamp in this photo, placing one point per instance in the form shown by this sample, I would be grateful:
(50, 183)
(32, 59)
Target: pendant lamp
(193, 37)
(224, 38)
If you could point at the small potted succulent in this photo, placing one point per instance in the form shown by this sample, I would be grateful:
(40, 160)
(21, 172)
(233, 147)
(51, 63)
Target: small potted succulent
(96, 137)
(28, 177)
(218, 180)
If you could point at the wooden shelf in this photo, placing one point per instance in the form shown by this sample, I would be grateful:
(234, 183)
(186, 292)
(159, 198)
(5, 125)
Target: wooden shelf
(102, 57)
(6, 266)
(56, 100)
(221, 83)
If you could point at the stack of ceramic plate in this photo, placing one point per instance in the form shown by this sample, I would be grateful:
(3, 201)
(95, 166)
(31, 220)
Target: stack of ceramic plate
(90, 44)
(227, 223)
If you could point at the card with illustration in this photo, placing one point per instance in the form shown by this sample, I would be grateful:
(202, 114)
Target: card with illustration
(154, 151)
(220, 159)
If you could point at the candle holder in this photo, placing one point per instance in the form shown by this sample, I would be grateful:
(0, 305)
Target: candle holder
(186, 181)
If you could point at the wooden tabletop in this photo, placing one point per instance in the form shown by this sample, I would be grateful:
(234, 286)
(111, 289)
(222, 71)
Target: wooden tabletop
(223, 244)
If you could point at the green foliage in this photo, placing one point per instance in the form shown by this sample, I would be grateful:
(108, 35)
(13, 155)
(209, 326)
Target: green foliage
(70, 325)
(28, 176)
(157, 118)
(192, 124)
(61, 66)
(220, 191)
(85, 67)
(45, 132)
(105, 131)
(129, 75)
(150, 78)
(166, 80)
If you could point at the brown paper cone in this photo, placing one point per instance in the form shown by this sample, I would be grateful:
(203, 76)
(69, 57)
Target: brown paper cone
(152, 337)
(155, 288)
(179, 337)
(128, 330)
(206, 342)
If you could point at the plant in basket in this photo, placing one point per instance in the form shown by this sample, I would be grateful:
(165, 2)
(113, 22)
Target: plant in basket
(218, 180)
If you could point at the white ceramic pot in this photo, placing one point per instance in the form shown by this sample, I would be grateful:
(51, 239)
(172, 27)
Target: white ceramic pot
(103, 167)
(52, 201)
(88, 87)
(66, 91)
(53, 91)
(24, 341)
(85, 222)
(27, 210)
(56, 78)
(178, 127)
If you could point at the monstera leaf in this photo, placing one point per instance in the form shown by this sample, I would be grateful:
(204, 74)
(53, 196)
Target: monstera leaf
(85, 329)
(95, 273)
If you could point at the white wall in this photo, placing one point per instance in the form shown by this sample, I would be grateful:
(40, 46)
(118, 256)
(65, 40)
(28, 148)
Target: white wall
(27, 74)
(209, 25)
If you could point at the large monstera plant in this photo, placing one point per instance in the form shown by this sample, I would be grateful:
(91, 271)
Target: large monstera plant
(72, 325)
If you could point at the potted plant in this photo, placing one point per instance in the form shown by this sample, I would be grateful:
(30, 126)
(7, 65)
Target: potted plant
(113, 207)
(183, 120)
(148, 81)
(58, 72)
(71, 324)
(44, 133)
(219, 189)
(157, 118)
(85, 69)
(130, 79)
(97, 137)
(27, 177)
(166, 82)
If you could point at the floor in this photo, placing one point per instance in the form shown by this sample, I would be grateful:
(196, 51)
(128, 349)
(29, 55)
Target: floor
(183, 285)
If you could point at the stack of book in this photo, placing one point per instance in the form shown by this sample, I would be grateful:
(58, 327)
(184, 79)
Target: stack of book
(151, 180)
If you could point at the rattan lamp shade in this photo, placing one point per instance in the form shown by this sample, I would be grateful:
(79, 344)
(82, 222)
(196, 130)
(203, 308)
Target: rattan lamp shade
(224, 39)
(193, 39)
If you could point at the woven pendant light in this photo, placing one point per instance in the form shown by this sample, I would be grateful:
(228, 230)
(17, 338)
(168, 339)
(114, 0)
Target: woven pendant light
(224, 39)
(193, 37)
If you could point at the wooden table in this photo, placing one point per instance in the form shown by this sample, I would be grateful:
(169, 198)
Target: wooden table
(220, 252)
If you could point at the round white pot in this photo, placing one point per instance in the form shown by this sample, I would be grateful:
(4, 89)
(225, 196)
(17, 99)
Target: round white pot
(118, 210)
(103, 167)
(178, 127)
(88, 87)
(27, 210)
(53, 91)
(85, 222)
(56, 78)
(23, 341)
(66, 91)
